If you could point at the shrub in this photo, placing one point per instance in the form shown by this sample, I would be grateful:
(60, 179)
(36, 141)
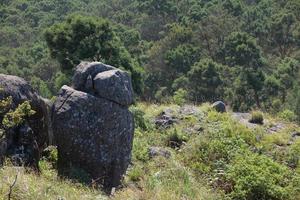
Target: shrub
(139, 118)
(175, 139)
(256, 176)
(294, 155)
(257, 117)
(17, 117)
(135, 173)
(180, 96)
(276, 105)
(287, 115)
(140, 150)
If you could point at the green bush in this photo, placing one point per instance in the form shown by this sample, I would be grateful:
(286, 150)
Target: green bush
(175, 138)
(257, 117)
(17, 117)
(254, 176)
(140, 150)
(139, 118)
(180, 96)
(294, 155)
(135, 173)
(287, 115)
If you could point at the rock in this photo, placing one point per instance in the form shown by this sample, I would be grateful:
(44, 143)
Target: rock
(24, 142)
(276, 128)
(219, 106)
(165, 120)
(295, 134)
(157, 151)
(188, 110)
(81, 79)
(114, 85)
(92, 126)
(243, 118)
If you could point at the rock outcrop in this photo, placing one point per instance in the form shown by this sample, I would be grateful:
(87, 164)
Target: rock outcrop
(92, 125)
(24, 142)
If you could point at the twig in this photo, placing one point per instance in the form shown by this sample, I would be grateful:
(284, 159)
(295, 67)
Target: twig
(11, 187)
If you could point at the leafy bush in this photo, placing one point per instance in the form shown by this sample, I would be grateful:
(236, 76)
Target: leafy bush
(175, 138)
(17, 117)
(287, 115)
(294, 155)
(257, 117)
(140, 150)
(180, 96)
(139, 118)
(256, 176)
(135, 173)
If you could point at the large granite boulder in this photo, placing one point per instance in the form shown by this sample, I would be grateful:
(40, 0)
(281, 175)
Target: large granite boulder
(92, 125)
(23, 143)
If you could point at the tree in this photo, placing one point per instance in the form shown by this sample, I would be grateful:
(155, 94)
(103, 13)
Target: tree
(282, 33)
(241, 49)
(182, 58)
(287, 73)
(204, 81)
(241, 52)
(86, 38)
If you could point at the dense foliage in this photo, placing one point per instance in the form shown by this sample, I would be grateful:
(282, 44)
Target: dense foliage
(243, 52)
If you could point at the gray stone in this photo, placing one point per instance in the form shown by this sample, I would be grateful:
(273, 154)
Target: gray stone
(32, 136)
(94, 134)
(219, 106)
(158, 151)
(114, 85)
(81, 80)
(166, 119)
(295, 134)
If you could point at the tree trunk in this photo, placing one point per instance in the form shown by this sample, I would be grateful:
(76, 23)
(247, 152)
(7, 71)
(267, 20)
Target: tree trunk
(256, 97)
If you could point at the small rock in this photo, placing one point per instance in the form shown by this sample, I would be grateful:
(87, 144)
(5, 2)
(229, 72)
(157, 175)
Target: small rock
(157, 151)
(276, 128)
(219, 106)
(295, 134)
(165, 119)
(188, 110)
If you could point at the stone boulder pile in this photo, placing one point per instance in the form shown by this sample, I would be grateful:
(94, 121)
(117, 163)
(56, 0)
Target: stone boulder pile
(92, 126)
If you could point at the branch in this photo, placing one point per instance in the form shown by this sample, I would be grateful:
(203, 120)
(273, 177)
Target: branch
(11, 187)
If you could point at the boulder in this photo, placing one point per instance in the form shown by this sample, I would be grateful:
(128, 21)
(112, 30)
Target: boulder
(85, 72)
(219, 106)
(31, 136)
(114, 85)
(92, 126)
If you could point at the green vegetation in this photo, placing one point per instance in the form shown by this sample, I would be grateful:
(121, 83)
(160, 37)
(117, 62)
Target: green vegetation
(243, 52)
(212, 156)
(257, 117)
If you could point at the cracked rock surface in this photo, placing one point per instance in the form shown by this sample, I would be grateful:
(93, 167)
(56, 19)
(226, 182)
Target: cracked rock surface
(92, 126)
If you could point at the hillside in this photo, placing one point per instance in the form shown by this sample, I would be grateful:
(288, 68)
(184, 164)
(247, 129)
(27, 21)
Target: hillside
(192, 152)
(73, 71)
(246, 52)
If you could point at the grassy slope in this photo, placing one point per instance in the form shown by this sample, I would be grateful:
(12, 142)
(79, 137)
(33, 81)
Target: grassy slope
(218, 155)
